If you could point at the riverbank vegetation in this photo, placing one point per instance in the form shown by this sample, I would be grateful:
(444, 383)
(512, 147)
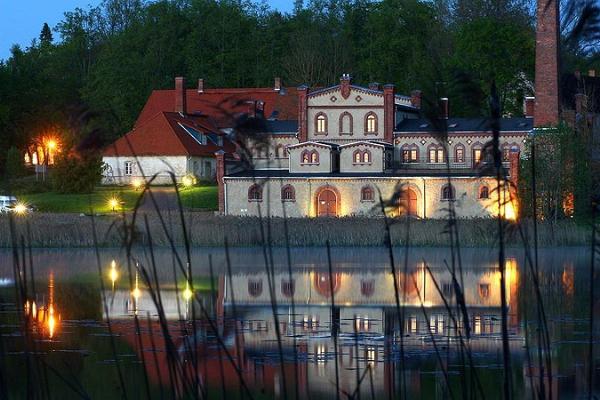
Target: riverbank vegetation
(206, 229)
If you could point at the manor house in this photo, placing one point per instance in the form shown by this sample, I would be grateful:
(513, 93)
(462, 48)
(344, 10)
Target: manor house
(352, 146)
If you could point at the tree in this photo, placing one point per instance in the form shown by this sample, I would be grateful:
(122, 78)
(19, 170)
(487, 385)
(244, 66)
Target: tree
(14, 164)
(46, 35)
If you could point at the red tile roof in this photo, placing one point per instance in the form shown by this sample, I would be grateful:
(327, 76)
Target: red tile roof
(163, 135)
(224, 104)
(157, 130)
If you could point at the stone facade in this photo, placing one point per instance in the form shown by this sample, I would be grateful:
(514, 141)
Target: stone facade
(428, 200)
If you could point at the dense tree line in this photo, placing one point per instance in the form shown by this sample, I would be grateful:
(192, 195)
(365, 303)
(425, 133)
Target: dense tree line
(88, 78)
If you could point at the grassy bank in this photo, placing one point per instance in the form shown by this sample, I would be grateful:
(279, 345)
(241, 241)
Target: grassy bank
(204, 198)
(205, 229)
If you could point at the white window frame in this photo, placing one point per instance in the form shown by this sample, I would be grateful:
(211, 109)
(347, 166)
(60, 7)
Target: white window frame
(128, 168)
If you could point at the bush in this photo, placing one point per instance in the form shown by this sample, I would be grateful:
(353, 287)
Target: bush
(77, 173)
(14, 164)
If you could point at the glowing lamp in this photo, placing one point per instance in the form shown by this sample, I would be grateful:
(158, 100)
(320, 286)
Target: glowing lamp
(187, 293)
(51, 144)
(137, 183)
(20, 208)
(187, 181)
(113, 274)
(113, 203)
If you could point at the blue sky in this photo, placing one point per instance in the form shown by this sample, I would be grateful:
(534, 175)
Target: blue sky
(22, 20)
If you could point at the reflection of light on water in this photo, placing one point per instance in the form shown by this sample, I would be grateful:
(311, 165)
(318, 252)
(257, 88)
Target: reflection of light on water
(113, 273)
(45, 318)
(187, 292)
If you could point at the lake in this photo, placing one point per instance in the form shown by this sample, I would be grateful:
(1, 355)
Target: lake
(294, 326)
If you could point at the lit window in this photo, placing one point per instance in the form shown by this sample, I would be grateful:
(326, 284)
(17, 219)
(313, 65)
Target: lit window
(459, 155)
(447, 192)
(440, 155)
(128, 168)
(321, 124)
(436, 154)
(288, 193)
(357, 157)
(409, 155)
(255, 193)
(314, 157)
(506, 153)
(366, 194)
(305, 157)
(366, 157)
(484, 290)
(371, 123)
(476, 156)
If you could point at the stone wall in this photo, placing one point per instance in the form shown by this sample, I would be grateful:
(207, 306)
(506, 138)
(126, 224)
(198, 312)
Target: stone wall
(145, 167)
(428, 191)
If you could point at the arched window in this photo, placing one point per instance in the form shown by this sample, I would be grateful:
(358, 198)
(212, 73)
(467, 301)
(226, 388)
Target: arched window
(288, 287)
(459, 153)
(280, 151)
(288, 193)
(314, 157)
(367, 287)
(346, 123)
(410, 153)
(371, 123)
(367, 194)
(477, 154)
(436, 154)
(366, 158)
(255, 287)
(356, 156)
(448, 192)
(484, 192)
(305, 157)
(321, 124)
(255, 193)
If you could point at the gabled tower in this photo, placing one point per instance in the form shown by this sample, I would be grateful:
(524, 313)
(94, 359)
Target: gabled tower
(547, 107)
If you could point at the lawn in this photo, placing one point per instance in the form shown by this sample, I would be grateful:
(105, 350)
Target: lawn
(201, 197)
(81, 203)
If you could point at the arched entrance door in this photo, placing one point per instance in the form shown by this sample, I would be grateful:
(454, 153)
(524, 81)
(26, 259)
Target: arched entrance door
(327, 203)
(408, 203)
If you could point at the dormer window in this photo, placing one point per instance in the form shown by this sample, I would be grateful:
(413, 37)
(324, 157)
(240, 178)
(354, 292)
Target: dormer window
(371, 123)
(321, 124)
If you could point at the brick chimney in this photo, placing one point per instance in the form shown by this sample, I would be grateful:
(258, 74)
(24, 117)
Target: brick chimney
(302, 113)
(345, 85)
(200, 85)
(444, 108)
(180, 100)
(529, 107)
(389, 110)
(220, 157)
(277, 84)
(546, 64)
(513, 169)
(416, 98)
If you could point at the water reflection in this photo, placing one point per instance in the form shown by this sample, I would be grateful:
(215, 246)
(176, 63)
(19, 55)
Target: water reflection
(254, 319)
(43, 317)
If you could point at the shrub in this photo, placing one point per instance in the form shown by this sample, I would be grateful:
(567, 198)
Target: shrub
(77, 173)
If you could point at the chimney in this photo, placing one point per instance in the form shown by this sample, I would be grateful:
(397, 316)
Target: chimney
(200, 85)
(220, 158)
(389, 111)
(529, 107)
(592, 73)
(546, 64)
(277, 84)
(180, 100)
(302, 113)
(444, 108)
(580, 103)
(345, 85)
(416, 97)
(374, 85)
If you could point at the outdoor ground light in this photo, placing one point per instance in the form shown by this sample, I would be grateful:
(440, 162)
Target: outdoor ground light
(113, 203)
(20, 208)
(137, 183)
(187, 181)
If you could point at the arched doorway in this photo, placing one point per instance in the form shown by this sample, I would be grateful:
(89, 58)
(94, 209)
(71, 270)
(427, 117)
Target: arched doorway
(407, 203)
(327, 203)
